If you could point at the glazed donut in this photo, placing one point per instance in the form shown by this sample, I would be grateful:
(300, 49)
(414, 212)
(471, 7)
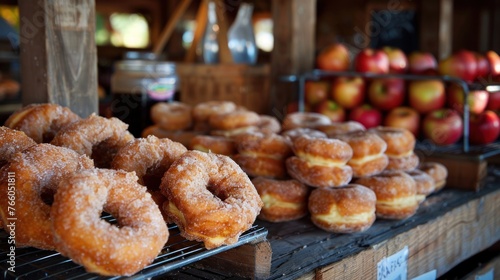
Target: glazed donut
(424, 183)
(437, 171)
(97, 137)
(400, 145)
(11, 142)
(396, 194)
(343, 210)
(297, 132)
(233, 120)
(214, 144)
(203, 111)
(38, 170)
(269, 124)
(339, 128)
(182, 136)
(262, 166)
(210, 198)
(103, 248)
(304, 119)
(320, 162)
(41, 122)
(368, 157)
(172, 116)
(284, 200)
(263, 145)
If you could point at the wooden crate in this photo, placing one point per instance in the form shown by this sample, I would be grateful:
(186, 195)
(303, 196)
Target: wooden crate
(245, 85)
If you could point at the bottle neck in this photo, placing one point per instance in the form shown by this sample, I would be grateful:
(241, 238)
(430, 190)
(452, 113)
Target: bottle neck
(212, 15)
(244, 13)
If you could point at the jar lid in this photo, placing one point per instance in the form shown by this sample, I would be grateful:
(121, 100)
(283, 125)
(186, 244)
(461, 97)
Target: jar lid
(146, 67)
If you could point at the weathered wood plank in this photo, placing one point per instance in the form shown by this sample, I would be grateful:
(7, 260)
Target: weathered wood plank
(436, 27)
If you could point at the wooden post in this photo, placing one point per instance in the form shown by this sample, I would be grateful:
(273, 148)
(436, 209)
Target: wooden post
(294, 24)
(436, 27)
(58, 53)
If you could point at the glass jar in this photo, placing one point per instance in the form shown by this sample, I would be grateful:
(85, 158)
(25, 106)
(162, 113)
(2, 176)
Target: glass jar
(138, 84)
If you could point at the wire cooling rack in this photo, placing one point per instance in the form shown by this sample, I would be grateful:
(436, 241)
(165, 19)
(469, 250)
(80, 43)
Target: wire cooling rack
(32, 263)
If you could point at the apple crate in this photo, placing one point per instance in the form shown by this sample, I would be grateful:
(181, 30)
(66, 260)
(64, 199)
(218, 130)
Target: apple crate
(245, 85)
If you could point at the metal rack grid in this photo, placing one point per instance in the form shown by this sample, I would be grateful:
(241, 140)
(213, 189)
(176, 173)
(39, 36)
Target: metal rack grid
(32, 263)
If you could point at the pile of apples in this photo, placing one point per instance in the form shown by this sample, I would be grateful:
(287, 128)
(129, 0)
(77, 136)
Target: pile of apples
(429, 108)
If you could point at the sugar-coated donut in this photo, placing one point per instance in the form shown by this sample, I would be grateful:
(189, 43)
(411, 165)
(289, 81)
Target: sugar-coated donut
(297, 132)
(304, 119)
(269, 124)
(284, 200)
(396, 194)
(343, 210)
(213, 144)
(320, 162)
(437, 171)
(256, 166)
(203, 111)
(339, 128)
(424, 183)
(37, 170)
(11, 142)
(400, 145)
(97, 137)
(172, 116)
(41, 122)
(210, 198)
(101, 247)
(368, 156)
(263, 145)
(182, 136)
(229, 133)
(234, 120)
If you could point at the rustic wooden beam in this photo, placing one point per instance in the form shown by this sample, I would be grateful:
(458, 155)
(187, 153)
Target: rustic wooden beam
(436, 27)
(171, 24)
(58, 54)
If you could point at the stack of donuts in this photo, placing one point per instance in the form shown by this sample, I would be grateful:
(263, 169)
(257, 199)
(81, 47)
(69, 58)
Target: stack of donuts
(69, 170)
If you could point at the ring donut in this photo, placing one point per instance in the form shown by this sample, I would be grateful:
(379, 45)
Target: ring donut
(214, 144)
(210, 198)
(437, 171)
(172, 116)
(97, 137)
(203, 111)
(234, 120)
(81, 234)
(38, 170)
(400, 146)
(41, 122)
(304, 119)
(269, 124)
(11, 142)
(297, 132)
(339, 128)
(424, 183)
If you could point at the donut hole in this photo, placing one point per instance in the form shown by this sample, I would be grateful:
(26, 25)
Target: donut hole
(47, 195)
(110, 218)
(152, 178)
(217, 191)
(102, 154)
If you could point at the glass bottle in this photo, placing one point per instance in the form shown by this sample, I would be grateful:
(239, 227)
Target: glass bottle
(241, 37)
(210, 42)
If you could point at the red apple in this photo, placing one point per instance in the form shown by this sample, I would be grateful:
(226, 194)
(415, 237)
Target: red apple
(367, 115)
(494, 60)
(476, 99)
(404, 117)
(315, 92)
(443, 126)
(426, 95)
(348, 92)
(484, 128)
(483, 65)
(398, 63)
(386, 94)
(334, 57)
(461, 64)
(420, 63)
(494, 101)
(373, 61)
(332, 110)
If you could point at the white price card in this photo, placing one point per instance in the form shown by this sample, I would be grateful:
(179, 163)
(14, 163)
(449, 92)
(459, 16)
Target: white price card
(431, 275)
(487, 276)
(394, 267)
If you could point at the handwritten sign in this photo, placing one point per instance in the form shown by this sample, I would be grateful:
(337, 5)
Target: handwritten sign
(394, 267)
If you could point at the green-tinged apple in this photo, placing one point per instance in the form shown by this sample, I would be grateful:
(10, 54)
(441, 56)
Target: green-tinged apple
(426, 95)
(461, 64)
(422, 63)
(386, 94)
(398, 62)
(484, 128)
(332, 110)
(404, 117)
(371, 60)
(494, 60)
(366, 115)
(316, 91)
(334, 57)
(476, 99)
(443, 126)
(348, 92)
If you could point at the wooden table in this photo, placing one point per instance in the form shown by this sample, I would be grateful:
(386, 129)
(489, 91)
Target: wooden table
(449, 227)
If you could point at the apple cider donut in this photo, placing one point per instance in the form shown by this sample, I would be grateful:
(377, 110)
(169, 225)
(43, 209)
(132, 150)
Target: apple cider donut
(214, 144)
(234, 120)
(97, 137)
(203, 111)
(437, 171)
(269, 124)
(297, 132)
(210, 198)
(41, 122)
(424, 182)
(172, 116)
(38, 170)
(103, 248)
(284, 200)
(339, 128)
(400, 145)
(263, 145)
(304, 119)
(11, 142)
